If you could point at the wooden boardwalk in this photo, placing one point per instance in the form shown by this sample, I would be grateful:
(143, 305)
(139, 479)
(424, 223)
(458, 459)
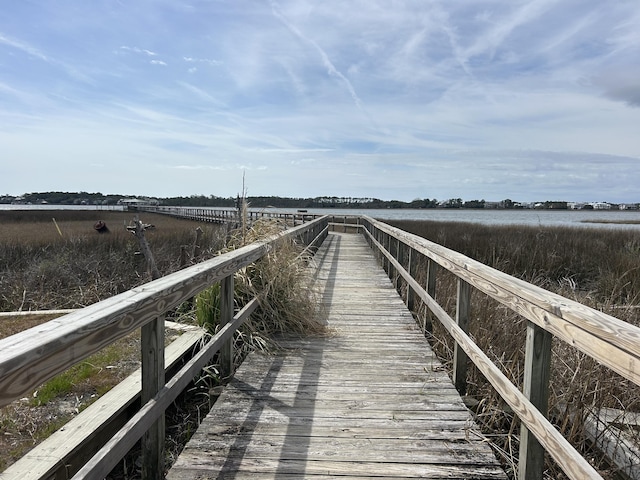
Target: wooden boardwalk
(367, 401)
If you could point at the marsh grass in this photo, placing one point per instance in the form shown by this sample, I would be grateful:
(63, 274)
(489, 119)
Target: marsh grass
(41, 269)
(599, 268)
(67, 264)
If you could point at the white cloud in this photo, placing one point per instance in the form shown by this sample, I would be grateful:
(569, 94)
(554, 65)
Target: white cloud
(142, 51)
(202, 60)
(25, 47)
(452, 99)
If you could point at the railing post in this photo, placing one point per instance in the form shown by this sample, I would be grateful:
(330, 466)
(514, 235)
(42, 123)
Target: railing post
(537, 371)
(410, 269)
(460, 358)
(152, 358)
(387, 247)
(392, 269)
(226, 316)
(432, 269)
(400, 258)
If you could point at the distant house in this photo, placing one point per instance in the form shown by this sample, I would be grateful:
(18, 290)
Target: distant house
(601, 206)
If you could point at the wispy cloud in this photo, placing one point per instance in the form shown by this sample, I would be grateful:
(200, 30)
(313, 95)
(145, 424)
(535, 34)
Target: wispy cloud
(142, 51)
(207, 61)
(488, 99)
(25, 47)
(326, 61)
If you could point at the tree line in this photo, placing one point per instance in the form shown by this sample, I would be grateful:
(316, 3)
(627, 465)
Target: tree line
(85, 198)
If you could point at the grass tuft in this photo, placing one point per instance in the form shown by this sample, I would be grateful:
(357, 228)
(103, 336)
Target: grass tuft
(278, 281)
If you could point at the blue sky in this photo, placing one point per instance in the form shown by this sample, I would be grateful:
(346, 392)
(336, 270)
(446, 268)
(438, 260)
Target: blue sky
(485, 99)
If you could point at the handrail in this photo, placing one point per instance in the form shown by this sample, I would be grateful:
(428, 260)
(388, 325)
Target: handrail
(609, 340)
(34, 356)
(227, 215)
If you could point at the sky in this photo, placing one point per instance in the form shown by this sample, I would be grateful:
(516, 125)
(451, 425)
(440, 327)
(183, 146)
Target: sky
(397, 100)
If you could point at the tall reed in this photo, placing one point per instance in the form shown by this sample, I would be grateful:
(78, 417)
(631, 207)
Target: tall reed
(278, 281)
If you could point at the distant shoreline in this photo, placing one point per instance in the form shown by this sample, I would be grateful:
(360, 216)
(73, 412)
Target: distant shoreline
(621, 222)
(605, 219)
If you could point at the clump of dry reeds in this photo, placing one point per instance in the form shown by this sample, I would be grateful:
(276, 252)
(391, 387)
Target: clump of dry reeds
(278, 280)
(599, 268)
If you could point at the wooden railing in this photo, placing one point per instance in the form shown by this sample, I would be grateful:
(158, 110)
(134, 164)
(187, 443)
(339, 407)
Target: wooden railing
(36, 355)
(229, 215)
(612, 342)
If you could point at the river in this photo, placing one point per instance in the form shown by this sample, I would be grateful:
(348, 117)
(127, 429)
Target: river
(575, 218)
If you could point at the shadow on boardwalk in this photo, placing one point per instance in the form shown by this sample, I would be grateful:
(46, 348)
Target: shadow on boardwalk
(368, 401)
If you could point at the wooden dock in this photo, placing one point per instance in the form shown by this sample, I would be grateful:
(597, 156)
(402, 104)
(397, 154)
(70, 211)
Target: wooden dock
(369, 400)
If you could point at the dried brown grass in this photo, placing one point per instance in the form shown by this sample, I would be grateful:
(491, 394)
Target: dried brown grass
(66, 263)
(42, 269)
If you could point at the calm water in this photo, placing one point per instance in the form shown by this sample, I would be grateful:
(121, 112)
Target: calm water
(576, 218)
(115, 208)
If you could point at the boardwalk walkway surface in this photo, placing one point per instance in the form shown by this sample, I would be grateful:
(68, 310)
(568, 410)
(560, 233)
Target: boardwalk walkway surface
(369, 400)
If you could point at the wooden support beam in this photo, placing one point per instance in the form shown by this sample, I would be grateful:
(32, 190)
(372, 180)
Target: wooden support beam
(400, 258)
(226, 315)
(537, 371)
(432, 270)
(411, 268)
(153, 380)
(460, 358)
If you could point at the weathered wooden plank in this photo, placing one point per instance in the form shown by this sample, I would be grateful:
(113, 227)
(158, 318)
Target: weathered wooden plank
(341, 449)
(201, 466)
(369, 399)
(439, 426)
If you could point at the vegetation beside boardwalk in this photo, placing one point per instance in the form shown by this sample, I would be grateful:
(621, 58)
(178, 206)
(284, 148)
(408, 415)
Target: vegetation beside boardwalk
(596, 267)
(57, 259)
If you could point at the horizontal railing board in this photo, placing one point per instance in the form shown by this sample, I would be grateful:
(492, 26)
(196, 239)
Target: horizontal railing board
(35, 355)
